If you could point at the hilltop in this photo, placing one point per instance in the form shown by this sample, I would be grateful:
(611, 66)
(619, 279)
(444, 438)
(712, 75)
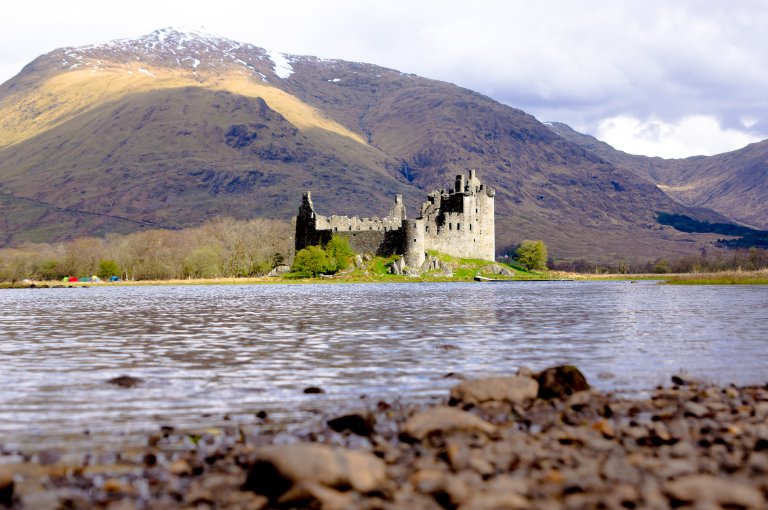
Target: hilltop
(176, 127)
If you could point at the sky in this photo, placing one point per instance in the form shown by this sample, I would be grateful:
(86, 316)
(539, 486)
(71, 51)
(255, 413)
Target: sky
(660, 78)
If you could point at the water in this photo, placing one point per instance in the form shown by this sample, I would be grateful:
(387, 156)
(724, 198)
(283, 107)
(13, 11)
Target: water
(207, 351)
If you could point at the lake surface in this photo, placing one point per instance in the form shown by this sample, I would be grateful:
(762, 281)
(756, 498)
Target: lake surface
(209, 351)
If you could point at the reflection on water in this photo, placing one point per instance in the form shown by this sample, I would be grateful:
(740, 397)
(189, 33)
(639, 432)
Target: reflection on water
(241, 349)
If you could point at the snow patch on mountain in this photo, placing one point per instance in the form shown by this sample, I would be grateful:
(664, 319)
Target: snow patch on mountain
(191, 48)
(282, 66)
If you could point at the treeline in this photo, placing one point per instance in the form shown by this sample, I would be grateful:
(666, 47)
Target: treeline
(742, 237)
(713, 261)
(223, 247)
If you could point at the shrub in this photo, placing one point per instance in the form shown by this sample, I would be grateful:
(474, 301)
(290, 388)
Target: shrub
(312, 261)
(339, 250)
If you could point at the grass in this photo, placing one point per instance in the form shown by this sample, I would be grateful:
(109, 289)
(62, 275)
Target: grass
(722, 278)
(759, 277)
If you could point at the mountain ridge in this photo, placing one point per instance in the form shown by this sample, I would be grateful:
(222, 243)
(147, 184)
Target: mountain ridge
(734, 184)
(174, 129)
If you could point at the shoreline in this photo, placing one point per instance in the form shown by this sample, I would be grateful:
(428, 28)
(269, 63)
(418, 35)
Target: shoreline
(758, 277)
(525, 441)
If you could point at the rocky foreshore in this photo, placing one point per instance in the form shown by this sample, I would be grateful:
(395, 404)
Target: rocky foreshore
(541, 440)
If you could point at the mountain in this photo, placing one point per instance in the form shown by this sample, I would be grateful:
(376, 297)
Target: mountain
(734, 184)
(178, 126)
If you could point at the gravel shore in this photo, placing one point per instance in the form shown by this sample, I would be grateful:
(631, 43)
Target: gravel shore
(533, 440)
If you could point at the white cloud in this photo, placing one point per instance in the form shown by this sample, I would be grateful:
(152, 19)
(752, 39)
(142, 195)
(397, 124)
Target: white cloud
(693, 135)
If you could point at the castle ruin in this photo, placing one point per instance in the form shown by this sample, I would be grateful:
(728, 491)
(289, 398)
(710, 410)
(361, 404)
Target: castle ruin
(458, 222)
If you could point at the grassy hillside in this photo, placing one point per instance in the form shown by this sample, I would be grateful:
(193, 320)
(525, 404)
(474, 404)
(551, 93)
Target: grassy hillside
(172, 130)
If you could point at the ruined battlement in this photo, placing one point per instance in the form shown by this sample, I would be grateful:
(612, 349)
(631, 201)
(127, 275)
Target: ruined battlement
(458, 222)
(393, 221)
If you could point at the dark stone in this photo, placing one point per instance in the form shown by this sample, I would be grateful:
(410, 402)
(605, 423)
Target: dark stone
(125, 381)
(7, 486)
(313, 390)
(358, 423)
(49, 457)
(560, 382)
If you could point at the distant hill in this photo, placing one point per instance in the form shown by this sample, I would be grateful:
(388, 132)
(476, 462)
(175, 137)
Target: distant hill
(734, 184)
(176, 127)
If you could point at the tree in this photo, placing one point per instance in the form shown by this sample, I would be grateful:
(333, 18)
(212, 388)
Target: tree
(661, 267)
(202, 262)
(339, 250)
(107, 269)
(532, 254)
(312, 261)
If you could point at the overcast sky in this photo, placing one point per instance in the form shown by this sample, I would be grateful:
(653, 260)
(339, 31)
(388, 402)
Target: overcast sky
(671, 79)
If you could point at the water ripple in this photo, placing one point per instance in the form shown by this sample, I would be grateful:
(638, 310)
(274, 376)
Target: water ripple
(240, 349)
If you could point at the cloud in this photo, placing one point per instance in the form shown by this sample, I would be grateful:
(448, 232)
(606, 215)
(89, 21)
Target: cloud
(583, 63)
(693, 135)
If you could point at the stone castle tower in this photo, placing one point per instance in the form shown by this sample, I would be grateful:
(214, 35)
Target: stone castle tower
(458, 222)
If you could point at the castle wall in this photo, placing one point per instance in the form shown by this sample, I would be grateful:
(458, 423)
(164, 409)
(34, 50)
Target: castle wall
(382, 236)
(379, 242)
(459, 222)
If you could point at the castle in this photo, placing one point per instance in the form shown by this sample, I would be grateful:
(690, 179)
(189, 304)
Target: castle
(457, 222)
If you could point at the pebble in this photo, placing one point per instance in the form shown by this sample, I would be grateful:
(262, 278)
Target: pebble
(444, 420)
(693, 445)
(711, 489)
(514, 390)
(277, 468)
(125, 381)
(560, 382)
(7, 486)
(361, 423)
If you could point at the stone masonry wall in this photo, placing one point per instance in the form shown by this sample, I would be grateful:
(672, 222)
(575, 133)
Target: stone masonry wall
(459, 222)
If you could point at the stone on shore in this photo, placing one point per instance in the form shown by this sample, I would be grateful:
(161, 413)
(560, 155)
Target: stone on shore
(360, 423)
(560, 382)
(6, 487)
(514, 390)
(279, 271)
(125, 381)
(497, 269)
(277, 469)
(444, 420)
(310, 494)
(710, 490)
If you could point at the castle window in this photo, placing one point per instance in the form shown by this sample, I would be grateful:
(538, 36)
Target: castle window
(470, 226)
(426, 228)
(414, 239)
(475, 210)
(450, 226)
(458, 226)
(335, 229)
(350, 227)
